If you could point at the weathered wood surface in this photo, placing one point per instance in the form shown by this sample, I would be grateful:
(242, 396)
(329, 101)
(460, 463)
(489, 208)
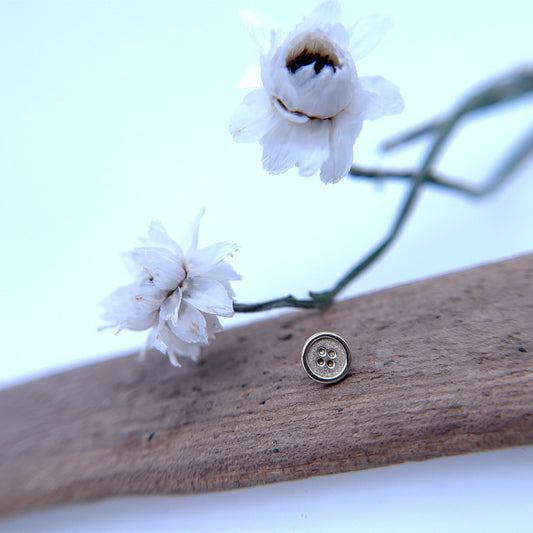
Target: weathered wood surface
(441, 367)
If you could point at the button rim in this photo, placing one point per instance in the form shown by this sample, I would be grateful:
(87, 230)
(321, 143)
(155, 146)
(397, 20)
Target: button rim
(310, 373)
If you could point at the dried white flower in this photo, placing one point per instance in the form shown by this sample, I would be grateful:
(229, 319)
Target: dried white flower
(312, 105)
(177, 295)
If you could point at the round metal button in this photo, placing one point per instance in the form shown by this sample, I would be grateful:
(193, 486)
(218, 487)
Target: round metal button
(326, 357)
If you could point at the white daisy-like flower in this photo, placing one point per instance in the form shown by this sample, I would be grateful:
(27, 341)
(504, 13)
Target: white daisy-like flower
(177, 295)
(312, 104)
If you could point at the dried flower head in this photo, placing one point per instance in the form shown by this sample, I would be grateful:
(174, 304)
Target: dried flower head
(312, 105)
(177, 295)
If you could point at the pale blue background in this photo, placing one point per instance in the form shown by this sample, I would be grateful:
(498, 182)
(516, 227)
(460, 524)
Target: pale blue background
(113, 112)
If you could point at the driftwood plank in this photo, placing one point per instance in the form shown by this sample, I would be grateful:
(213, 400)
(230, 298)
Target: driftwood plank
(441, 367)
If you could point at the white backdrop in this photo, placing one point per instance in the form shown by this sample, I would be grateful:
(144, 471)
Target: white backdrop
(114, 112)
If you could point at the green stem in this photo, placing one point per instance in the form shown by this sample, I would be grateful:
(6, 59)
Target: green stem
(431, 178)
(505, 89)
(286, 301)
(508, 88)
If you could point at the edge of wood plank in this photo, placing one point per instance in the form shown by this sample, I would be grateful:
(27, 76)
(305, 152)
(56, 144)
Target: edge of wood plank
(441, 367)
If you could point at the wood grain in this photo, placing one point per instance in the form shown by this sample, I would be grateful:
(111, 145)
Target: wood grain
(441, 367)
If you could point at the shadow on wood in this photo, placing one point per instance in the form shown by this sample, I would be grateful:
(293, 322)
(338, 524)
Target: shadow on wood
(441, 367)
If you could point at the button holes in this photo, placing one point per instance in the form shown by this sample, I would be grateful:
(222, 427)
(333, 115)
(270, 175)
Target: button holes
(326, 357)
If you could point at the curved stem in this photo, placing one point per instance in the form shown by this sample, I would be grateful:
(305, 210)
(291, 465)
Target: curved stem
(510, 164)
(418, 132)
(506, 89)
(285, 301)
(432, 178)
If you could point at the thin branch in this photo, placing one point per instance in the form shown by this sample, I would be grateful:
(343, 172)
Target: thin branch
(502, 91)
(286, 301)
(432, 178)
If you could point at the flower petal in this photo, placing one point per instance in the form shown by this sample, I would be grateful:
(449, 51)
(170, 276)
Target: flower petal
(204, 260)
(385, 97)
(152, 341)
(339, 34)
(163, 267)
(213, 325)
(322, 95)
(170, 307)
(328, 12)
(312, 148)
(253, 118)
(228, 287)
(190, 326)
(166, 342)
(344, 130)
(133, 306)
(194, 231)
(208, 295)
(277, 158)
(304, 145)
(222, 272)
(367, 33)
(262, 29)
(158, 235)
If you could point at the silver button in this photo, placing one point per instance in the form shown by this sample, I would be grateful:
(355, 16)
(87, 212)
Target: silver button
(326, 357)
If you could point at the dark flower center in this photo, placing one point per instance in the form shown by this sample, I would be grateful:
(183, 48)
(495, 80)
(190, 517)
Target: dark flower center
(312, 49)
(308, 58)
